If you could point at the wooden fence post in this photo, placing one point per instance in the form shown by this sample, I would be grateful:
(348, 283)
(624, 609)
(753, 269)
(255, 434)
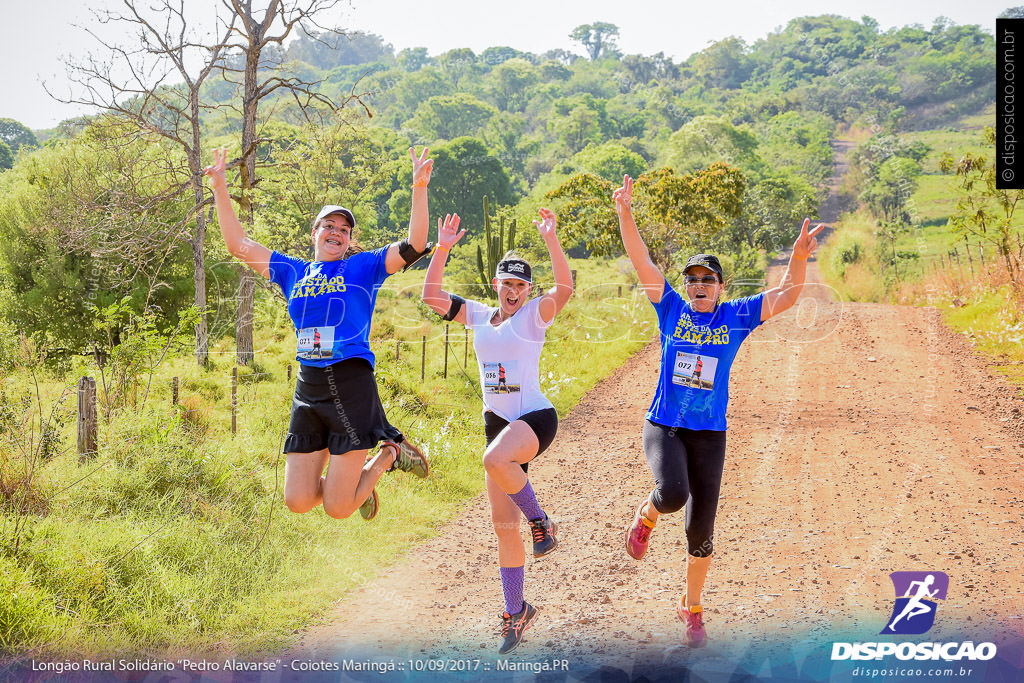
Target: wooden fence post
(234, 400)
(398, 349)
(465, 347)
(174, 390)
(423, 360)
(289, 372)
(573, 280)
(620, 290)
(87, 426)
(445, 352)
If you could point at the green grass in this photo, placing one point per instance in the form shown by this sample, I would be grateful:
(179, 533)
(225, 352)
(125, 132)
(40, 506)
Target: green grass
(995, 327)
(175, 537)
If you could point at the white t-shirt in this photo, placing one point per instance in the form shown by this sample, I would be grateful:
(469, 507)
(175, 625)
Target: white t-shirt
(509, 358)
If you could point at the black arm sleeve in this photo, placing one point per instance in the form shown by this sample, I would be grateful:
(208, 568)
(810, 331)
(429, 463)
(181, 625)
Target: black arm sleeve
(457, 303)
(409, 253)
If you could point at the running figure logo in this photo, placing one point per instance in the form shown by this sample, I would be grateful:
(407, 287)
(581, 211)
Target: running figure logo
(916, 593)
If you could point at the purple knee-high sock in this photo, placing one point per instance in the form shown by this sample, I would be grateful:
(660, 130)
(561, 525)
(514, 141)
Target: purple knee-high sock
(512, 580)
(526, 500)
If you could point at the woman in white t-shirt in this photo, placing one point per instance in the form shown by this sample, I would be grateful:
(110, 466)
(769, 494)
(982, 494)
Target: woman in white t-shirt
(519, 421)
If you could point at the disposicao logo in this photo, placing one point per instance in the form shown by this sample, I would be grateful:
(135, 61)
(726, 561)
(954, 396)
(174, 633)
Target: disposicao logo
(916, 593)
(913, 614)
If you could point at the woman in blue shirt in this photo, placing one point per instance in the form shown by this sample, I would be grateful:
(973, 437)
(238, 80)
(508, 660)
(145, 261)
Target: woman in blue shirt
(684, 435)
(336, 412)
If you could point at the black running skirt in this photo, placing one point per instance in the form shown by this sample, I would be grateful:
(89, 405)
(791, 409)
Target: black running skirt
(337, 408)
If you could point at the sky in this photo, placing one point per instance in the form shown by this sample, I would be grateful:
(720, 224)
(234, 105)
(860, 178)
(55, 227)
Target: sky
(42, 33)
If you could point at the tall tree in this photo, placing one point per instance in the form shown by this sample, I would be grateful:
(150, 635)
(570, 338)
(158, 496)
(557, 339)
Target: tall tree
(598, 38)
(16, 134)
(258, 40)
(155, 85)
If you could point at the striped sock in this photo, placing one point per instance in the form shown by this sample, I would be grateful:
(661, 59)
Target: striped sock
(512, 580)
(526, 501)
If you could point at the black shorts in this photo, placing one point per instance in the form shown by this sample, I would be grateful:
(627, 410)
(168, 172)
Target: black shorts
(544, 424)
(337, 408)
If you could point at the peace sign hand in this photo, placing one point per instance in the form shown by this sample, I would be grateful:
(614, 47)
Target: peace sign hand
(806, 243)
(624, 196)
(216, 171)
(448, 232)
(421, 167)
(547, 223)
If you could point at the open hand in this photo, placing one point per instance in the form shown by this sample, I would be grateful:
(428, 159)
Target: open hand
(216, 171)
(448, 232)
(421, 167)
(806, 243)
(624, 196)
(547, 223)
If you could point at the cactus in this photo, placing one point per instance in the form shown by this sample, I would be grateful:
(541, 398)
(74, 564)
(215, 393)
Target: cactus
(496, 248)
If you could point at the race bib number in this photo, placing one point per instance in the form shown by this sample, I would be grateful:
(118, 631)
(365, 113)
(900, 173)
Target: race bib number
(316, 342)
(501, 378)
(694, 370)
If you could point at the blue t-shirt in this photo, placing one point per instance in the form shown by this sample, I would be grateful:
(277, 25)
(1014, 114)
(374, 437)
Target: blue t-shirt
(697, 351)
(331, 303)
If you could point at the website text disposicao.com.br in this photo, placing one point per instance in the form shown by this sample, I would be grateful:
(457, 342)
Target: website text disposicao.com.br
(908, 672)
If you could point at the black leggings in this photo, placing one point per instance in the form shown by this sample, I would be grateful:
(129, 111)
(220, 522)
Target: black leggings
(687, 466)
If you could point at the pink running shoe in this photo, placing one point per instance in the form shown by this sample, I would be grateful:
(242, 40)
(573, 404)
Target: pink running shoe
(638, 534)
(693, 618)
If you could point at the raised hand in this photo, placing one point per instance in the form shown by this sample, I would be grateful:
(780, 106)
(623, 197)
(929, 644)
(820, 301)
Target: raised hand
(624, 196)
(547, 223)
(448, 232)
(806, 243)
(421, 167)
(217, 170)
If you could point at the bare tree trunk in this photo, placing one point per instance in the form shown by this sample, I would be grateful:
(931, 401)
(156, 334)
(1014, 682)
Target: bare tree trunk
(199, 280)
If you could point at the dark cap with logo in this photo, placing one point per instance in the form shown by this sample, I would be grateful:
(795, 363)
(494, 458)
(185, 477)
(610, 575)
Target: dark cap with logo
(514, 268)
(708, 261)
(334, 208)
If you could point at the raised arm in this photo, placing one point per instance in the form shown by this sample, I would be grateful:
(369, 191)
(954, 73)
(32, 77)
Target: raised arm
(651, 278)
(419, 216)
(780, 298)
(249, 251)
(448, 234)
(555, 298)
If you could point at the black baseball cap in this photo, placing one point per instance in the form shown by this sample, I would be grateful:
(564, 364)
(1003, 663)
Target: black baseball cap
(514, 268)
(708, 261)
(334, 208)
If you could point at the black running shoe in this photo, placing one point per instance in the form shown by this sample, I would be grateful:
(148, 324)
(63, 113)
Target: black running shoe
(544, 540)
(513, 627)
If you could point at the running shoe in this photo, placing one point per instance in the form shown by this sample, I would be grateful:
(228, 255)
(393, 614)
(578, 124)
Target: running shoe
(638, 534)
(513, 627)
(368, 510)
(544, 539)
(693, 618)
(409, 458)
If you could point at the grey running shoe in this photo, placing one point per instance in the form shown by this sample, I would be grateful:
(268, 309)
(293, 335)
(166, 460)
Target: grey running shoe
(409, 458)
(368, 510)
(544, 539)
(513, 627)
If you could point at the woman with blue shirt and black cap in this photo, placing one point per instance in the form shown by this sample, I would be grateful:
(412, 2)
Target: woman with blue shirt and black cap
(684, 434)
(336, 412)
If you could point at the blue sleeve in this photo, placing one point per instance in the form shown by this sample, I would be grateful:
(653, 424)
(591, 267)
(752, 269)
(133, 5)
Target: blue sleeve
(748, 311)
(666, 308)
(373, 265)
(285, 271)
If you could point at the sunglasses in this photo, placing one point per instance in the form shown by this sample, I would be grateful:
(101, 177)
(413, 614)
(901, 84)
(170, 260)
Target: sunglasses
(707, 280)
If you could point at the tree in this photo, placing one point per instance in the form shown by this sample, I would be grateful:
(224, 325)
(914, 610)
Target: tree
(707, 139)
(257, 43)
(985, 211)
(467, 171)
(448, 116)
(16, 135)
(608, 161)
(510, 81)
(155, 85)
(598, 38)
(326, 50)
(458, 64)
(678, 213)
(6, 157)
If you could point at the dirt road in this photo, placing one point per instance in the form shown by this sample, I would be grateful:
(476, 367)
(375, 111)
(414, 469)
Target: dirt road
(863, 439)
